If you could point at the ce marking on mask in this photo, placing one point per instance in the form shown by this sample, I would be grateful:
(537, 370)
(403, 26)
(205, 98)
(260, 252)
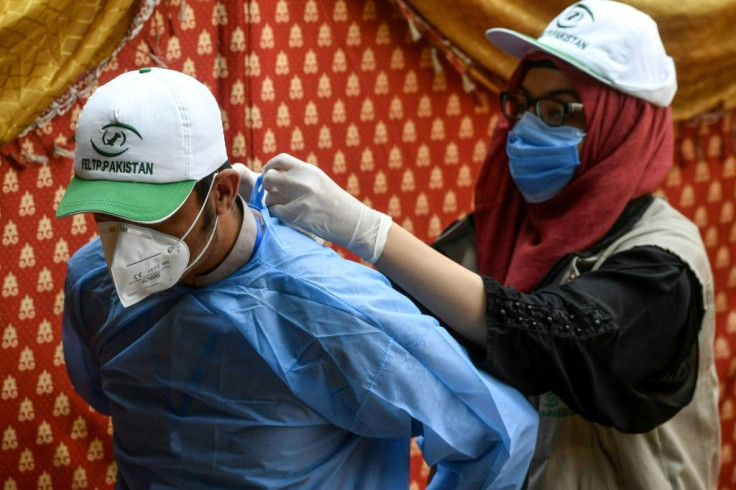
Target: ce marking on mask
(151, 274)
(148, 277)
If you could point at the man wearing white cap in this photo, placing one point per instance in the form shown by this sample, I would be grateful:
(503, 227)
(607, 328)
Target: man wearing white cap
(583, 289)
(232, 351)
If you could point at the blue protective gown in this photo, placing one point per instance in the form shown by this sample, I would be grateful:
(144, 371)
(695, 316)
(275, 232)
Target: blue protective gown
(299, 370)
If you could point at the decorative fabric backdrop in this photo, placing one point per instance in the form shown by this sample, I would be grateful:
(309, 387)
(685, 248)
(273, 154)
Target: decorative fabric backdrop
(698, 34)
(45, 45)
(343, 84)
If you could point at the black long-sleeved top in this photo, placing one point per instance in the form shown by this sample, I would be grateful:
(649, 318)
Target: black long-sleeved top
(617, 344)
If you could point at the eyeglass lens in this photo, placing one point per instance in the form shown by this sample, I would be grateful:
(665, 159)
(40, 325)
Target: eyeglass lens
(550, 111)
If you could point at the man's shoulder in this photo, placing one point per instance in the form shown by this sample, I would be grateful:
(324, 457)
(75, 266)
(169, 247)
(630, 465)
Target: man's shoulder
(87, 258)
(304, 268)
(300, 256)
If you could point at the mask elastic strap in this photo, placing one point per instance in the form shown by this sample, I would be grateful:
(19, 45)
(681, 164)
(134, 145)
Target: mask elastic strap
(198, 214)
(207, 245)
(214, 227)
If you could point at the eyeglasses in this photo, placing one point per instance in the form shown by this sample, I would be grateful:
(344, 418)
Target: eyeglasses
(552, 112)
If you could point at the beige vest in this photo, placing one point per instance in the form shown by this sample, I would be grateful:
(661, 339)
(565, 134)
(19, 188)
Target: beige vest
(683, 453)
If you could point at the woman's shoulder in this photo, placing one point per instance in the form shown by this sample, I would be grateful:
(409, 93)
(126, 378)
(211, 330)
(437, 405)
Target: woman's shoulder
(663, 221)
(664, 226)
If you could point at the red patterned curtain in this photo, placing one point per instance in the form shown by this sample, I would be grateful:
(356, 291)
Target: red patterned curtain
(702, 186)
(342, 84)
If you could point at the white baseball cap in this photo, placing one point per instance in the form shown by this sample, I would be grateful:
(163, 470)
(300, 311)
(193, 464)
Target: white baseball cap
(143, 141)
(610, 41)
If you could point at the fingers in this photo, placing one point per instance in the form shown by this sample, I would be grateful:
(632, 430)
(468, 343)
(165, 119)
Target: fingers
(287, 181)
(286, 178)
(245, 173)
(273, 179)
(241, 169)
(274, 199)
(283, 161)
(247, 180)
(280, 188)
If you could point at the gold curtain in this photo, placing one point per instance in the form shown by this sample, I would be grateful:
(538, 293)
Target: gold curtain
(45, 45)
(700, 35)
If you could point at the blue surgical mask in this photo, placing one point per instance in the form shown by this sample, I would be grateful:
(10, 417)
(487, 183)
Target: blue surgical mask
(542, 158)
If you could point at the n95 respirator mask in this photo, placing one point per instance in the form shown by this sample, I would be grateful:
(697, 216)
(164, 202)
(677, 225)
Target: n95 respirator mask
(143, 261)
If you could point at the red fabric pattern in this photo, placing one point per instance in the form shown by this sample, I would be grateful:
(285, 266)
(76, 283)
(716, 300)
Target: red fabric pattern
(623, 157)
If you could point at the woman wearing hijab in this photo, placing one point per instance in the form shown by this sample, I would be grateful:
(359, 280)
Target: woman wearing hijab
(589, 294)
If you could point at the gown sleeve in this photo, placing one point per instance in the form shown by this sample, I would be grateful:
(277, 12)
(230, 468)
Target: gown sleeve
(617, 344)
(392, 372)
(81, 365)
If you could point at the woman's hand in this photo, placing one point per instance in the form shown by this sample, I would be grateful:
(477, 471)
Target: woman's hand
(247, 180)
(303, 195)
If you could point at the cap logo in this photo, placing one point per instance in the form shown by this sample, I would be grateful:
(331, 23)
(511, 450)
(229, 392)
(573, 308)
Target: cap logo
(574, 16)
(113, 138)
(610, 40)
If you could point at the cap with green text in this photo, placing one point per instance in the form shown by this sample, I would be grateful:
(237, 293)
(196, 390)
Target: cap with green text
(143, 140)
(611, 41)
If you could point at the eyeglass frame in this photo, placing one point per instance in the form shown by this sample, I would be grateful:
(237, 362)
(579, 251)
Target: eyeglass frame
(568, 107)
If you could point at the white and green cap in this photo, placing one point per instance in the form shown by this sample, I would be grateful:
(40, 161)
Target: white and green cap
(142, 141)
(610, 41)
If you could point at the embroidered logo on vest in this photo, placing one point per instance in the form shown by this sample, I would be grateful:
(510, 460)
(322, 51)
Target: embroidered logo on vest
(551, 406)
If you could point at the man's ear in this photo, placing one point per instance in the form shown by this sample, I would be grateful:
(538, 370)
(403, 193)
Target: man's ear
(225, 190)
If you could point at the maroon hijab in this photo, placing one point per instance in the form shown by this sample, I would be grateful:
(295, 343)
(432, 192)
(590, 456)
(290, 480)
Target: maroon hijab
(627, 152)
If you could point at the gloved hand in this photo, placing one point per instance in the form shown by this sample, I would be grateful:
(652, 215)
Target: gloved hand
(247, 180)
(304, 195)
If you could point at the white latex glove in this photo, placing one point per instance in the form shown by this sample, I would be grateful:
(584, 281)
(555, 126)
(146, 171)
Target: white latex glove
(247, 180)
(302, 194)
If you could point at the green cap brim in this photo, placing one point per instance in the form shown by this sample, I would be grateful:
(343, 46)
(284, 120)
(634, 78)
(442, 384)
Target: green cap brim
(134, 201)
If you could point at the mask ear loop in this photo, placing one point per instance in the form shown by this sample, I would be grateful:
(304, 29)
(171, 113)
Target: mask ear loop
(191, 227)
(204, 249)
